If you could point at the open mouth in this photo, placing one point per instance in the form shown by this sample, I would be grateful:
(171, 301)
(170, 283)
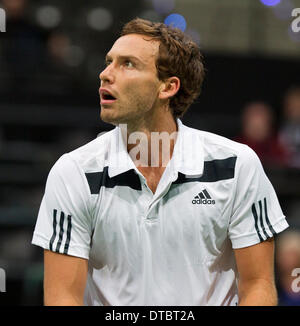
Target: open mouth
(106, 97)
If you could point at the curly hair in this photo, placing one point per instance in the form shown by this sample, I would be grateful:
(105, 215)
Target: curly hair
(178, 56)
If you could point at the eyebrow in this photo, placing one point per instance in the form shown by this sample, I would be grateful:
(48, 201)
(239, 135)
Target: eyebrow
(123, 57)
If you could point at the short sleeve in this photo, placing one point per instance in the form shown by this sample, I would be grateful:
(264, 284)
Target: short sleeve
(256, 214)
(64, 222)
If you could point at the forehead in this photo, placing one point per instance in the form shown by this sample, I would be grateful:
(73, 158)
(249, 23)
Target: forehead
(140, 46)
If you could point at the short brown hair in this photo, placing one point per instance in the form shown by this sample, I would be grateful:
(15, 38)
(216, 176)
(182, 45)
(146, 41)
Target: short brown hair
(178, 56)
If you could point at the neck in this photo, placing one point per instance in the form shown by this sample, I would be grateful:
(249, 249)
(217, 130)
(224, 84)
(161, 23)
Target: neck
(151, 141)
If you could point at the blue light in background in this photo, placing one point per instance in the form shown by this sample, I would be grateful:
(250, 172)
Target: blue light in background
(270, 2)
(176, 20)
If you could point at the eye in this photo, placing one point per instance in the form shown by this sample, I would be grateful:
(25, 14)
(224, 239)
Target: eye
(128, 64)
(107, 62)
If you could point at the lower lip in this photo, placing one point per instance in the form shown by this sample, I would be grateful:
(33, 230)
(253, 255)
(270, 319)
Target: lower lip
(107, 101)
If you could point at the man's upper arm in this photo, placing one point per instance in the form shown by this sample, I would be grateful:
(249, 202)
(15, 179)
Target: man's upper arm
(256, 262)
(256, 218)
(64, 230)
(255, 266)
(64, 279)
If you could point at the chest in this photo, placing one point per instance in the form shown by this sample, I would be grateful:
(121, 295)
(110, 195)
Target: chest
(187, 218)
(152, 176)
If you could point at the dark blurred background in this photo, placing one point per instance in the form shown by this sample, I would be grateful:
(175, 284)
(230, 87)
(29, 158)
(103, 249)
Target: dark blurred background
(50, 58)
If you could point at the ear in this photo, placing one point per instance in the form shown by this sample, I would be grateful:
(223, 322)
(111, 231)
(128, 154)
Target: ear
(169, 88)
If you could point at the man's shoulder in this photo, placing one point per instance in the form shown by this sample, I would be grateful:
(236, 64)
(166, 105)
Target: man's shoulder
(219, 147)
(216, 146)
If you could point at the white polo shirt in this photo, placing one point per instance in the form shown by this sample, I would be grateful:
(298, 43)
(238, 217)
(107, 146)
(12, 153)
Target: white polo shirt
(171, 248)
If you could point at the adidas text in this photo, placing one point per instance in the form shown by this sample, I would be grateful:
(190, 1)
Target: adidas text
(203, 201)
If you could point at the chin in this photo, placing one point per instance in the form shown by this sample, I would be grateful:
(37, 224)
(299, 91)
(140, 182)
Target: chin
(109, 117)
(115, 118)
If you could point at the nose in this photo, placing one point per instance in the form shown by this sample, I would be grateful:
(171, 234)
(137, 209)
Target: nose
(107, 75)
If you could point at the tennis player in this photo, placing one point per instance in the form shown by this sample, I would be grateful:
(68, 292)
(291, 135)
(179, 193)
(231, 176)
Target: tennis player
(154, 212)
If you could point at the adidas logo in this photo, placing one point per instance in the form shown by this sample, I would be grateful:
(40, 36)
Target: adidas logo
(203, 198)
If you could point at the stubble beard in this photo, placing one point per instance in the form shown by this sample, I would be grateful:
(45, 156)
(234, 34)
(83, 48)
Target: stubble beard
(133, 114)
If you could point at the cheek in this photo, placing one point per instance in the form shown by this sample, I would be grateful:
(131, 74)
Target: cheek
(142, 90)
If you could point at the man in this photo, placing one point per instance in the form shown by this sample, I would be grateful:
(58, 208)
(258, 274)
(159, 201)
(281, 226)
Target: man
(127, 227)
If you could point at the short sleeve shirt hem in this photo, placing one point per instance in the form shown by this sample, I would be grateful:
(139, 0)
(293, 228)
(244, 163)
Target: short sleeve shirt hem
(251, 239)
(75, 250)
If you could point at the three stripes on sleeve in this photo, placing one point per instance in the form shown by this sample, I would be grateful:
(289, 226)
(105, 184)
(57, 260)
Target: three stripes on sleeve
(262, 223)
(63, 234)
